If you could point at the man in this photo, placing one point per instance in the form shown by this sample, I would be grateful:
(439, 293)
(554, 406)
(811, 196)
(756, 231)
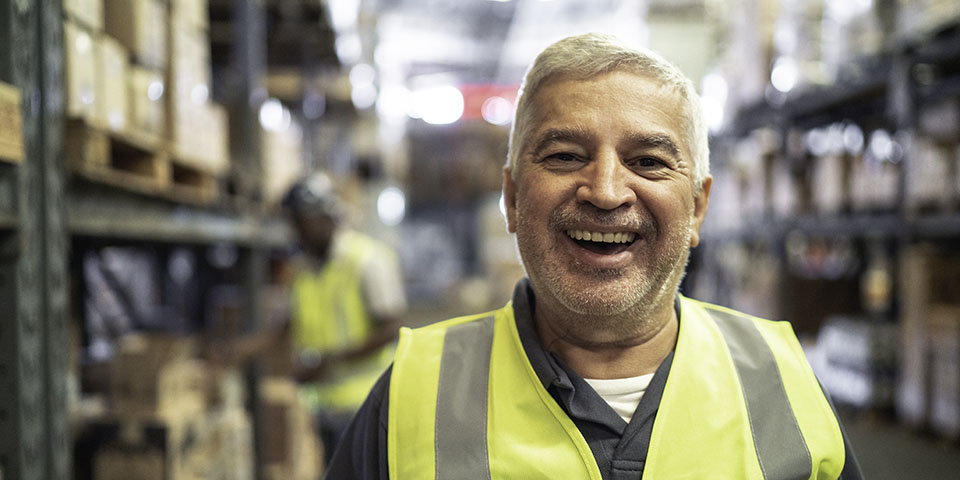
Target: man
(347, 297)
(598, 368)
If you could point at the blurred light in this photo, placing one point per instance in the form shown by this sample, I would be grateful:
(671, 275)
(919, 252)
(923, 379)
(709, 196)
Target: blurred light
(274, 116)
(785, 74)
(714, 100)
(817, 142)
(155, 90)
(881, 145)
(343, 14)
(503, 205)
(497, 110)
(362, 74)
(853, 139)
(199, 94)
(363, 96)
(846, 10)
(84, 43)
(349, 48)
(438, 105)
(314, 105)
(391, 206)
(393, 103)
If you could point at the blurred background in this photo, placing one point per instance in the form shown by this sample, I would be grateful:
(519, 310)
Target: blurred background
(145, 146)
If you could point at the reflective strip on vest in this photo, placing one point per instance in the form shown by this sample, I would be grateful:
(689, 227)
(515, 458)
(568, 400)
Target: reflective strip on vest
(461, 423)
(776, 434)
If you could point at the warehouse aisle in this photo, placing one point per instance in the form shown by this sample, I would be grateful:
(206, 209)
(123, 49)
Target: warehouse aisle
(891, 452)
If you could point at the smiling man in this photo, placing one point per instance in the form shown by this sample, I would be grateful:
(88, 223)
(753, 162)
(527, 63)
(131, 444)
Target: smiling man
(598, 368)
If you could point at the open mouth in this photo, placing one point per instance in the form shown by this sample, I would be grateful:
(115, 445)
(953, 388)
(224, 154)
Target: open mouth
(603, 243)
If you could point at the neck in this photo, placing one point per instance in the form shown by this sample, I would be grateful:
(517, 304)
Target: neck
(614, 355)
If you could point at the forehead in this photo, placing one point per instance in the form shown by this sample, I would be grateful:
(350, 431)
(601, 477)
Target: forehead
(615, 103)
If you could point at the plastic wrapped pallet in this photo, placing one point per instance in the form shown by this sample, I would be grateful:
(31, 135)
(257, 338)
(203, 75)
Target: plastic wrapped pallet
(931, 175)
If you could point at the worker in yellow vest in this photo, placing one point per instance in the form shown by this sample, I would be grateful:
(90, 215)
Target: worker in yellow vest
(347, 299)
(598, 368)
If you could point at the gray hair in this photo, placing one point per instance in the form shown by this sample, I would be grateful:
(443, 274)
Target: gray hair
(593, 54)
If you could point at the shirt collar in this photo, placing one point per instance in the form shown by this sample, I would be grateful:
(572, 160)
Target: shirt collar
(548, 367)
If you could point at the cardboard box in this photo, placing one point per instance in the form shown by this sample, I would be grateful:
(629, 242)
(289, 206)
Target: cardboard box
(190, 13)
(141, 27)
(111, 107)
(289, 447)
(80, 70)
(944, 331)
(146, 91)
(930, 175)
(156, 376)
(188, 86)
(11, 124)
(87, 12)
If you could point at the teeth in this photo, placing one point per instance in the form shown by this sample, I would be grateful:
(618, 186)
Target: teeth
(618, 237)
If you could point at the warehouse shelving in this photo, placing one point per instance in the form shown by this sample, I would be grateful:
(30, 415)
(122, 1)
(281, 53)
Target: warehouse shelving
(889, 91)
(48, 208)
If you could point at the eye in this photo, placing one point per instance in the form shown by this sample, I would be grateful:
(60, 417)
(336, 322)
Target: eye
(645, 163)
(563, 157)
(563, 161)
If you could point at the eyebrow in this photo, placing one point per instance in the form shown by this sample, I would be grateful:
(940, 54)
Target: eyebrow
(655, 141)
(560, 135)
(645, 140)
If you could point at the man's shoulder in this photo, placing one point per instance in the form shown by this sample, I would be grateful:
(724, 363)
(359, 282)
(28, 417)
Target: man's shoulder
(451, 322)
(720, 310)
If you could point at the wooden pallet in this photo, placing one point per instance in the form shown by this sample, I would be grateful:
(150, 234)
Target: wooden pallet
(129, 161)
(191, 184)
(136, 161)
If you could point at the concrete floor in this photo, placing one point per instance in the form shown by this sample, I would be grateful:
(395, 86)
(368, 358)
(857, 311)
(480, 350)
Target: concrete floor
(888, 451)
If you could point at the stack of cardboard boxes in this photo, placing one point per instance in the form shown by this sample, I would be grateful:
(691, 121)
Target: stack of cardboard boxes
(139, 70)
(171, 417)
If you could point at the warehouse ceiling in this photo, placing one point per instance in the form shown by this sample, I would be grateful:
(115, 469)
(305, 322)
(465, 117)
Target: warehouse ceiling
(466, 41)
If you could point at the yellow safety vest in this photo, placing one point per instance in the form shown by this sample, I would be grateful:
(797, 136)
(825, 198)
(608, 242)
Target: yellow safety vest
(740, 402)
(330, 314)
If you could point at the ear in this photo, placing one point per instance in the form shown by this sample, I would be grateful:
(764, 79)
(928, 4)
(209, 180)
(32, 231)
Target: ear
(700, 202)
(510, 200)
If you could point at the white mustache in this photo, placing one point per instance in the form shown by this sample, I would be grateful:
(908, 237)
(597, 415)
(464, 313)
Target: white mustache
(570, 216)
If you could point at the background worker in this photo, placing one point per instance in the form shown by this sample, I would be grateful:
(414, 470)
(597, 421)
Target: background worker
(347, 297)
(598, 368)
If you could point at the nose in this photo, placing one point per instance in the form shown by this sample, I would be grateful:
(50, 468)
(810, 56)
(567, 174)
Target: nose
(606, 183)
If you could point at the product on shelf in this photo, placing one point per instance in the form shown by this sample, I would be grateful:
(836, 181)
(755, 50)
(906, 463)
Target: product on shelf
(858, 360)
(289, 447)
(141, 27)
(87, 12)
(80, 68)
(944, 330)
(928, 276)
(11, 132)
(111, 81)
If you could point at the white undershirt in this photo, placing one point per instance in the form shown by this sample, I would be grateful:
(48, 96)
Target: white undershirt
(622, 394)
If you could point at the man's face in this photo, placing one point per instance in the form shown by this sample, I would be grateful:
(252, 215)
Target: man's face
(315, 229)
(605, 157)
